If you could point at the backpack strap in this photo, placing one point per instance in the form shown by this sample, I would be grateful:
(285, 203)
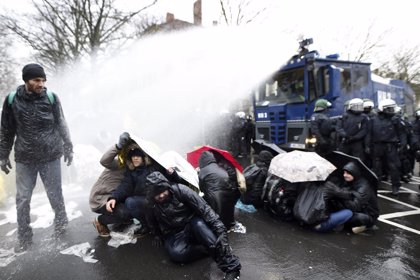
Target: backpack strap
(12, 95)
(51, 97)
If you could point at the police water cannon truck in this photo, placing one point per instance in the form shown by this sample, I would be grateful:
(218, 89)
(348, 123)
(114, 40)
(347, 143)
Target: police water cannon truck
(284, 103)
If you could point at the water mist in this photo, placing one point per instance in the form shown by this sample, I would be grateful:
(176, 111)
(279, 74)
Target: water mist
(166, 88)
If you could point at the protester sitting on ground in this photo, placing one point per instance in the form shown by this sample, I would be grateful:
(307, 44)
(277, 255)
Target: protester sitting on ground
(187, 225)
(132, 191)
(360, 197)
(107, 182)
(255, 176)
(315, 207)
(279, 197)
(220, 191)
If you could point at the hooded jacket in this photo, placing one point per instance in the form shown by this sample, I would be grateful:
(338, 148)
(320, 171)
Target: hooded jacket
(40, 129)
(220, 189)
(363, 198)
(184, 204)
(255, 176)
(212, 177)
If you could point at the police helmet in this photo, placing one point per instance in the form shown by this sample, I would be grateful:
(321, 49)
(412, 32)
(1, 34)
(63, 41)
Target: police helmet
(356, 105)
(346, 105)
(321, 105)
(367, 103)
(387, 106)
(240, 115)
(418, 113)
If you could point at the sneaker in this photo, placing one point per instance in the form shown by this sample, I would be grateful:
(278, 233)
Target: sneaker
(232, 275)
(357, 230)
(141, 232)
(103, 231)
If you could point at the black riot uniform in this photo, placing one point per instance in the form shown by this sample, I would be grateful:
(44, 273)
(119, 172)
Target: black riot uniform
(322, 127)
(387, 138)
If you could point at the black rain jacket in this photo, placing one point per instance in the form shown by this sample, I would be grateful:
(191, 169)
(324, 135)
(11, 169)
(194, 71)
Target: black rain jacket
(184, 204)
(40, 129)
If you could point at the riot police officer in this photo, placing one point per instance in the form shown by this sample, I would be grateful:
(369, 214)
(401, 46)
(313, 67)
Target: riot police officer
(322, 127)
(387, 139)
(353, 129)
(370, 113)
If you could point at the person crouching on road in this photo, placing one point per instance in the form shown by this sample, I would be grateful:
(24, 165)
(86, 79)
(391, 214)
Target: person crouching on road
(132, 191)
(219, 187)
(187, 225)
(107, 182)
(362, 199)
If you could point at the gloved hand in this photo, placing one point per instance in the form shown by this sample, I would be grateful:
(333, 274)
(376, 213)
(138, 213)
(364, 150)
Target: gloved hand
(124, 138)
(68, 154)
(68, 157)
(5, 165)
(157, 241)
(222, 244)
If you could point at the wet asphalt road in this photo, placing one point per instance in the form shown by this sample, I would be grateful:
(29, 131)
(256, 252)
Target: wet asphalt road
(269, 250)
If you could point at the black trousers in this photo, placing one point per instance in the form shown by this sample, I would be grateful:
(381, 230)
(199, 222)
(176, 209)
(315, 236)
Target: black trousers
(120, 215)
(195, 241)
(386, 155)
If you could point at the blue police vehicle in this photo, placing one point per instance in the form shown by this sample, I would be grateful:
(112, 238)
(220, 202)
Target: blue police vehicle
(284, 103)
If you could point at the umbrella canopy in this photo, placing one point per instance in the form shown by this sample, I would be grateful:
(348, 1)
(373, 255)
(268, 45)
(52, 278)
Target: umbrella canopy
(261, 145)
(184, 169)
(193, 156)
(339, 159)
(168, 160)
(298, 166)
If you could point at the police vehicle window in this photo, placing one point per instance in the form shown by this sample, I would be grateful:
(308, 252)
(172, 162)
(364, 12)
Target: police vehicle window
(311, 86)
(271, 90)
(289, 86)
(323, 78)
(346, 80)
(359, 75)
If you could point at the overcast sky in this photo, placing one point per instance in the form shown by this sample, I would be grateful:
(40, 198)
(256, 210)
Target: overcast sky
(336, 26)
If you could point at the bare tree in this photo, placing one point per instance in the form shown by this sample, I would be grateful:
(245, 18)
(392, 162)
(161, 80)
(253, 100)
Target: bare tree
(63, 31)
(239, 12)
(404, 65)
(361, 46)
(7, 64)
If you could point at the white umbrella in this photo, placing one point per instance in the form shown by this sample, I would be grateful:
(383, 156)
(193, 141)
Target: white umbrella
(185, 170)
(299, 166)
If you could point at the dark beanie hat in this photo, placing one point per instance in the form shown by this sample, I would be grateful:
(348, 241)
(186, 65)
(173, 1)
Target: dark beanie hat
(135, 152)
(32, 71)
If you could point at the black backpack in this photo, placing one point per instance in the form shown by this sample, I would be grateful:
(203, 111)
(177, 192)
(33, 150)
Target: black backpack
(251, 173)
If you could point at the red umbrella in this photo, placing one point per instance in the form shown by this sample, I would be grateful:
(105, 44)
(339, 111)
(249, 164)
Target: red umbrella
(193, 156)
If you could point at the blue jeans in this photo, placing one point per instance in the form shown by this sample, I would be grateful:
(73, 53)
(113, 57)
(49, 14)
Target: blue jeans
(335, 219)
(26, 175)
(137, 207)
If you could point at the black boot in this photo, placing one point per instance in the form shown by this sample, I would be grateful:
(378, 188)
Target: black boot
(232, 275)
(395, 190)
